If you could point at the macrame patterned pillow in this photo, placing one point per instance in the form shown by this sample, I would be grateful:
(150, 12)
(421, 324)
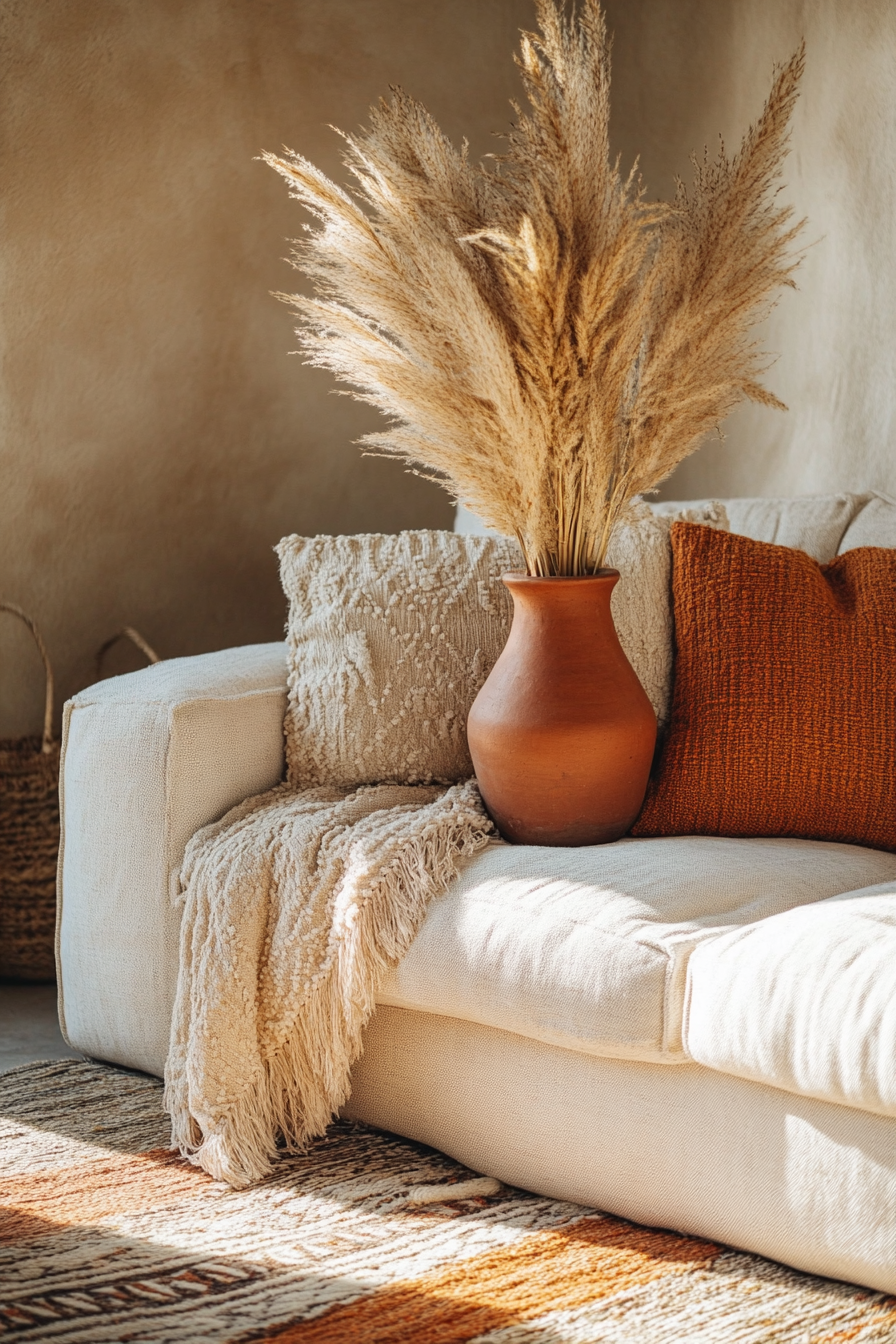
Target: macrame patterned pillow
(391, 636)
(784, 706)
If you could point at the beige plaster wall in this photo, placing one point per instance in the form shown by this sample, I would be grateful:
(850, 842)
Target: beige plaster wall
(156, 438)
(686, 70)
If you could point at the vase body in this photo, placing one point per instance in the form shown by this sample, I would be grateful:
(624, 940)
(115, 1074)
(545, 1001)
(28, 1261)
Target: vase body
(562, 733)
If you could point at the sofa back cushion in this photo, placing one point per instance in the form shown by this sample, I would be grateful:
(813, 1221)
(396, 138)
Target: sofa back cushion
(391, 636)
(821, 525)
(815, 524)
(873, 525)
(784, 708)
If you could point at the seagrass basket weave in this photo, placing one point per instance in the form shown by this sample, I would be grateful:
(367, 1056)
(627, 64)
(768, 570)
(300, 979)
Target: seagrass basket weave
(29, 841)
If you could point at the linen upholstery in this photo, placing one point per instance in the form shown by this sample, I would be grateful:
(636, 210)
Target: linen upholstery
(147, 759)
(390, 638)
(799, 1180)
(821, 525)
(784, 711)
(588, 948)
(815, 524)
(873, 525)
(804, 1001)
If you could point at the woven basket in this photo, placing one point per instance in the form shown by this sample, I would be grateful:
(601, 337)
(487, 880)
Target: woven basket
(29, 831)
(29, 841)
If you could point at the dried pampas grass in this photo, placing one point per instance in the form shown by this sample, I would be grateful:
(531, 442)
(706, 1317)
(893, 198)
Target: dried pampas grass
(543, 341)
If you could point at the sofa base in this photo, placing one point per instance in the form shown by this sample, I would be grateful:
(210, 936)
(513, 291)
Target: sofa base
(805, 1182)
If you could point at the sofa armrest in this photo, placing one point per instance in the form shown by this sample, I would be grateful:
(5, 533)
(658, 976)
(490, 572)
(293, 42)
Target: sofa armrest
(147, 759)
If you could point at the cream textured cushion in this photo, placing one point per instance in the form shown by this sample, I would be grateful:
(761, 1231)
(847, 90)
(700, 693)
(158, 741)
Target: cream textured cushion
(816, 524)
(811, 523)
(873, 525)
(588, 948)
(822, 525)
(391, 637)
(805, 1001)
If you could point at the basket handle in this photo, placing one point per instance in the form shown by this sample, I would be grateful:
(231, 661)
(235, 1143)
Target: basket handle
(47, 740)
(126, 632)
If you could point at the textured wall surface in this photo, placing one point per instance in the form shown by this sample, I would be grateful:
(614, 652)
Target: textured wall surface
(686, 71)
(156, 437)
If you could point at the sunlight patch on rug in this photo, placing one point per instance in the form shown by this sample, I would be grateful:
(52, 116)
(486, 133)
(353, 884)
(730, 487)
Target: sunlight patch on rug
(105, 1235)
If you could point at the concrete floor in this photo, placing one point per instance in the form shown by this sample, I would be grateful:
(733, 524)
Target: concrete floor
(29, 1026)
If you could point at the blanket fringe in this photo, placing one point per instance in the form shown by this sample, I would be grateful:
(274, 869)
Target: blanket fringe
(391, 868)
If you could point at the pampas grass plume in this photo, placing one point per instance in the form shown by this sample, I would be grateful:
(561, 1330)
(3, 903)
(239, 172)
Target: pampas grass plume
(544, 342)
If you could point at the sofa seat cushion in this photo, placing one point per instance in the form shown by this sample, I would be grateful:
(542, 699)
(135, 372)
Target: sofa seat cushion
(815, 524)
(588, 948)
(804, 1001)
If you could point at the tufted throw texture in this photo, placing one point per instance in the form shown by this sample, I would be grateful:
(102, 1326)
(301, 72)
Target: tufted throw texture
(295, 907)
(784, 707)
(391, 637)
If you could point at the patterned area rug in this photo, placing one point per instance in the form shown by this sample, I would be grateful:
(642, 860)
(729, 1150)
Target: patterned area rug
(105, 1236)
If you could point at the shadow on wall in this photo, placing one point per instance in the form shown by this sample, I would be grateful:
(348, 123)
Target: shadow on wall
(687, 71)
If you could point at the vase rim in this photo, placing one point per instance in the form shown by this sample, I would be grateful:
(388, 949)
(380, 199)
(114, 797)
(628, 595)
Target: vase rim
(520, 576)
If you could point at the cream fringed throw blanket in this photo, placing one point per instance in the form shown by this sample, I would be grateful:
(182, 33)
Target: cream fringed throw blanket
(296, 904)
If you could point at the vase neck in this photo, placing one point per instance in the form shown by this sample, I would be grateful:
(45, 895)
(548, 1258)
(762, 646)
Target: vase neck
(562, 598)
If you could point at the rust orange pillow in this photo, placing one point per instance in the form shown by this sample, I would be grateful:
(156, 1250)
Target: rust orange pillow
(784, 705)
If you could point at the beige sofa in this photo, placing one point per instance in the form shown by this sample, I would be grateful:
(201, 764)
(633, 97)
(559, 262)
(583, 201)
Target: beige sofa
(698, 1033)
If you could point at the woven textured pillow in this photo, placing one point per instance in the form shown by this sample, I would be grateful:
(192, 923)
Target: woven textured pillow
(389, 639)
(784, 706)
(391, 636)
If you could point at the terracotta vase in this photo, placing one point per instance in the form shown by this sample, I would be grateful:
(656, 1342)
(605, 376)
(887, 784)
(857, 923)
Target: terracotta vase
(562, 734)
